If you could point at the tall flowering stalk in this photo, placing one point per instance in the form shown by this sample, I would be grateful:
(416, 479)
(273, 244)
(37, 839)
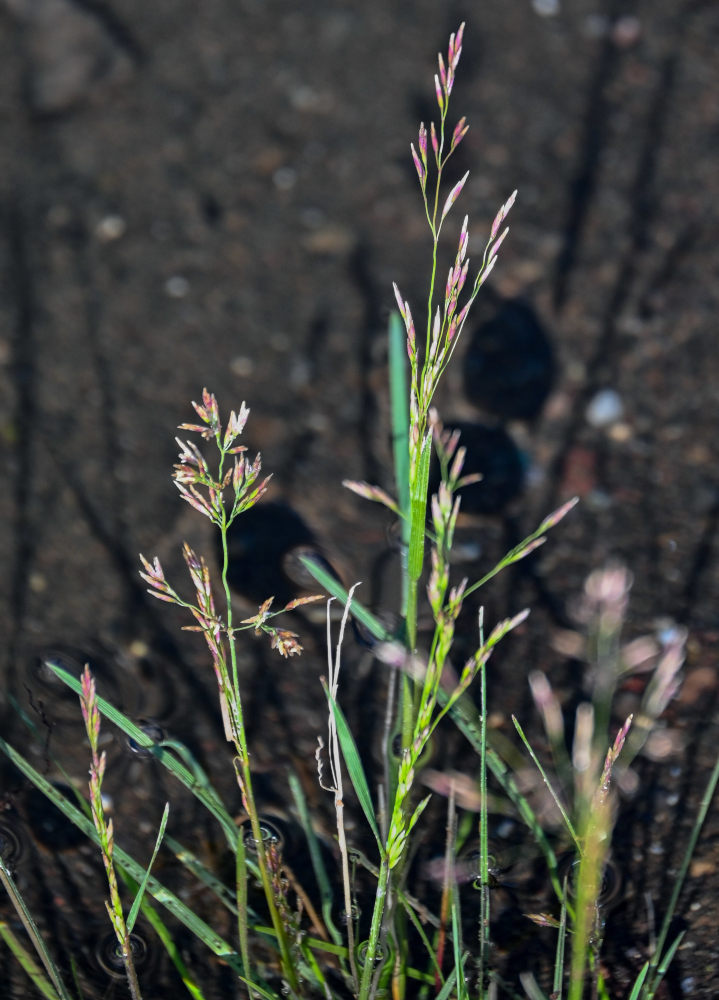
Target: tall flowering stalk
(430, 692)
(445, 319)
(105, 832)
(222, 496)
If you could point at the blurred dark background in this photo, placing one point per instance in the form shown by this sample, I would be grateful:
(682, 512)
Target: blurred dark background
(220, 195)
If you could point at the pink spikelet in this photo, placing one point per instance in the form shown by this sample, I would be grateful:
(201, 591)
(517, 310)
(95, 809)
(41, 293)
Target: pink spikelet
(435, 141)
(502, 214)
(455, 46)
(453, 195)
(497, 245)
(442, 71)
(422, 141)
(438, 92)
(399, 300)
(421, 172)
(460, 130)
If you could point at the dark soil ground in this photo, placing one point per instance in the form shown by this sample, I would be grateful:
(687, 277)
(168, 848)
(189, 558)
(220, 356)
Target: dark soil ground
(220, 194)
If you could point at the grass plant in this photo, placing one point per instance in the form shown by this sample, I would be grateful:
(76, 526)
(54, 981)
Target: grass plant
(407, 947)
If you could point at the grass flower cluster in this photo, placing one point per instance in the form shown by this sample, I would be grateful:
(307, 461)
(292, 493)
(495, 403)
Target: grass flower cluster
(404, 946)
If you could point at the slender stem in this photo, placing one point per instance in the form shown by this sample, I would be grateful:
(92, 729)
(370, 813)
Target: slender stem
(484, 897)
(375, 929)
(239, 735)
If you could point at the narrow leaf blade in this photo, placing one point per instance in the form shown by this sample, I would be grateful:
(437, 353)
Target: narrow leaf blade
(354, 767)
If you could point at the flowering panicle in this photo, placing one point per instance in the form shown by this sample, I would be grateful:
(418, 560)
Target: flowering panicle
(440, 342)
(205, 491)
(192, 475)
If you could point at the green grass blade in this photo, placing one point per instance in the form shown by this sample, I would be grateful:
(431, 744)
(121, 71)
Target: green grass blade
(462, 993)
(134, 909)
(526, 546)
(160, 928)
(557, 801)
(400, 415)
(27, 962)
(417, 924)
(198, 927)
(318, 865)
(33, 933)
(464, 715)
(333, 587)
(637, 988)
(418, 506)
(354, 767)
(558, 984)
(241, 902)
(666, 961)
(202, 791)
(706, 801)
(204, 875)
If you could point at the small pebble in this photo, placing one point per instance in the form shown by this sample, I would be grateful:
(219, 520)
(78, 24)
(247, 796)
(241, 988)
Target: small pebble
(605, 408)
(546, 8)
(177, 287)
(626, 31)
(242, 366)
(37, 583)
(111, 228)
(285, 178)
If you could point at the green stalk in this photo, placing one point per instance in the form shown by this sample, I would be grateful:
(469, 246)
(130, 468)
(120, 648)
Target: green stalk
(375, 930)
(484, 897)
(240, 740)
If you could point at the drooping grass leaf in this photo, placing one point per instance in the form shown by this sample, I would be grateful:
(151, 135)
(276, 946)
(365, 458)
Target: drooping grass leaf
(201, 790)
(198, 927)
